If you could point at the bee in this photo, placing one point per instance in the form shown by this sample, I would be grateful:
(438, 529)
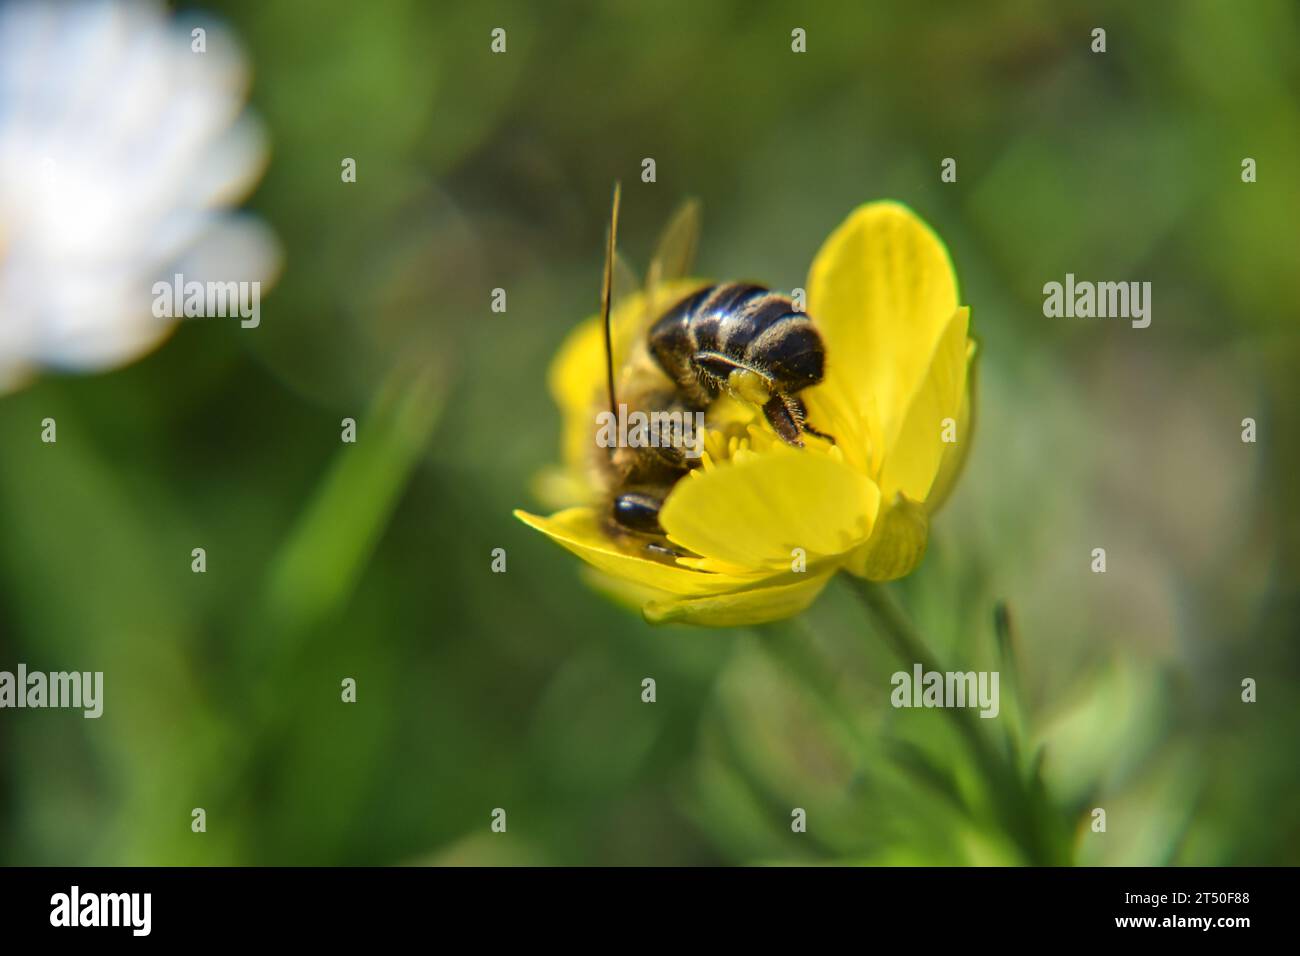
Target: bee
(740, 338)
(732, 338)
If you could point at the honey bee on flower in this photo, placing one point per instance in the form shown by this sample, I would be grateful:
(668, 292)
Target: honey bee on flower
(831, 435)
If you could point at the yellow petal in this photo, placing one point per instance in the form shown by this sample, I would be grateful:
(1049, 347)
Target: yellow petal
(576, 379)
(832, 412)
(753, 606)
(954, 456)
(912, 461)
(621, 591)
(579, 530)
(881, 291)
(753, 512)
(561, 487)
(896, 546)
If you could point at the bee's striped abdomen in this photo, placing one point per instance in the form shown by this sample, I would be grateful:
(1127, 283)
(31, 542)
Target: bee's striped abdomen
(787, 347)
(735, 325)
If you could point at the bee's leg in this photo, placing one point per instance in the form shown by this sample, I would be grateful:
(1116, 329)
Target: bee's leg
(783, 415)
(801, 415)
(812, 431)
(661, 550)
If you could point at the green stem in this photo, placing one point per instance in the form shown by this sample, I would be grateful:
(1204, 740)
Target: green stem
(1015, 801)
(791, 650)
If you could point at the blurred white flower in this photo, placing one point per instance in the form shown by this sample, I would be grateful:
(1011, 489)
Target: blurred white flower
(121, 151)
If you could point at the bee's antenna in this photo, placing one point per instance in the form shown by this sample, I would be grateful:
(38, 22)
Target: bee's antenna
(606, 290)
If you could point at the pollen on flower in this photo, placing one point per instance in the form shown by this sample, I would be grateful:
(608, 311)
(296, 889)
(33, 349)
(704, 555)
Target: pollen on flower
(720, 445)
(738, 442)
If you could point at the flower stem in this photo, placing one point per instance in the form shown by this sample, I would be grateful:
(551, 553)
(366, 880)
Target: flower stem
(789, 648)
(1016, 802)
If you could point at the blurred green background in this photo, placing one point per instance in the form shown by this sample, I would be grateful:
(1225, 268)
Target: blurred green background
(522, 690)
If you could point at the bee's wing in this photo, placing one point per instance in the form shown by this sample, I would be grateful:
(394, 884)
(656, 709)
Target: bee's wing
(673, 259)
(626, 282)
(674, 256)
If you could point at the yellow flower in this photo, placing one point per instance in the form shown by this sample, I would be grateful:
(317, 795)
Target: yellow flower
(896, 397)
